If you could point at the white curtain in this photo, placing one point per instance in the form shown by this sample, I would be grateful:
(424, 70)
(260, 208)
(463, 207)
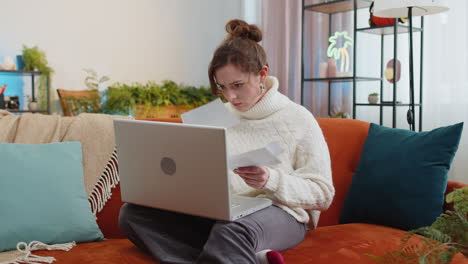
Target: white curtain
(445, 94)
(281, 24)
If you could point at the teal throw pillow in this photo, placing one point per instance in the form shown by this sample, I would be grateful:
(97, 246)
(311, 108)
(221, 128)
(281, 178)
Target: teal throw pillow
(401, 177)
(42, 195)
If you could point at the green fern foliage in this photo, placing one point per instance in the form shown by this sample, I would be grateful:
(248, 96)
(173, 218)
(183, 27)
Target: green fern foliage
(121, 97)
(35, 59)
(447, 236)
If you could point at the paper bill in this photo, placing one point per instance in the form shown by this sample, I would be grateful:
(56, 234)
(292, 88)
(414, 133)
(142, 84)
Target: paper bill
(213, 113)
(265, 156)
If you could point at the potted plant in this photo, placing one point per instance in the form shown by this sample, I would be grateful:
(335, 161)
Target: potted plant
(439, 242)
(35, 60)
(152, 100)
(32, 104)
(373, 98)
(343, 115)
(92, 81)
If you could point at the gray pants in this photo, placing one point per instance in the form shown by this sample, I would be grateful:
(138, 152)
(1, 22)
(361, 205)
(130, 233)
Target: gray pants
(178, 238)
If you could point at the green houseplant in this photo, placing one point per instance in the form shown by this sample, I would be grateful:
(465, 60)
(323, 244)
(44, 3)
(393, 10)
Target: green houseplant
(447, 236)
(36, 60)
(92, 81)
(152, 100)
(373, 98)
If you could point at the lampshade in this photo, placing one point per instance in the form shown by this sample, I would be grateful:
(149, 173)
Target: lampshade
(399, 8)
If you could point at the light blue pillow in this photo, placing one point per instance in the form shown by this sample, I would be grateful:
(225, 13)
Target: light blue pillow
(42, 195)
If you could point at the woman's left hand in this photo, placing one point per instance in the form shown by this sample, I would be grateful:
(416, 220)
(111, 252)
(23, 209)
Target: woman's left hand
(255, 176)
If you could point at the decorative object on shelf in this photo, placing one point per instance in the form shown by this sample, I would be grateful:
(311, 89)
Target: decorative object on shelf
(19, 62)
(8, 64)
(331, 69)
(399, 8)
(323, 69)
(92, 81)
(338, 112)
(3, 88)
(3, 102)
(373, 98)
(12, 102)
(340, 53)
(2, 99)
(344, 115)
(389, 71)
(375, 21)
(153, 100)
(32, 104)
(36, 60)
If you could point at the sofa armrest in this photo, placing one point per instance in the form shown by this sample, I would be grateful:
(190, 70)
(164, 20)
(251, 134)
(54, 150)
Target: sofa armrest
(108, 218)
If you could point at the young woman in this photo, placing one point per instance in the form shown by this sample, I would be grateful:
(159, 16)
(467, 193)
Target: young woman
(300, 186)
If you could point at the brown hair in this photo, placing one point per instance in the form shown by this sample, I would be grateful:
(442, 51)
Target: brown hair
(239, 48)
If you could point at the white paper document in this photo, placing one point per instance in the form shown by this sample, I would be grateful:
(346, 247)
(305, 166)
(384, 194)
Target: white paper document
(213, 113)
(265, 156)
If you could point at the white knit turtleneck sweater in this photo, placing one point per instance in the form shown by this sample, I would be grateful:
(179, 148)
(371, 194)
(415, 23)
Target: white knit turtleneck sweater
(302, 183)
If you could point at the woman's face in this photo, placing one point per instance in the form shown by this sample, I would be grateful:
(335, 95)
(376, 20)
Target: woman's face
(241, 89)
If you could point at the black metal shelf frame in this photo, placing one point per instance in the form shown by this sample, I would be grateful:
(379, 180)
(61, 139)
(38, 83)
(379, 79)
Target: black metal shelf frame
(338, 6)
(385, 104)
(342, 79)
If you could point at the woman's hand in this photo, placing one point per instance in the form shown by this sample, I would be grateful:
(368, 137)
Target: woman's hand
(255, 176)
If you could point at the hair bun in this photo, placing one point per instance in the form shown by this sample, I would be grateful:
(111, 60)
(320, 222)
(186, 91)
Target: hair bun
(240, 28)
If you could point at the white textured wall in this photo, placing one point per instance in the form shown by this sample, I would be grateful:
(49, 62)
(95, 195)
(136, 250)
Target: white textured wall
(129, 40)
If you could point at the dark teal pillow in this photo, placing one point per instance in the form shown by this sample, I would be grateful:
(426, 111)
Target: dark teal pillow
(401, 177)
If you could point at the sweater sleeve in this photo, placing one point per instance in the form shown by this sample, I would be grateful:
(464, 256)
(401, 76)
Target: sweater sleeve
(310, 185)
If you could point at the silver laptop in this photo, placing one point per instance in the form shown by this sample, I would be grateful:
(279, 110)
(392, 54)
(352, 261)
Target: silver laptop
(178, 167)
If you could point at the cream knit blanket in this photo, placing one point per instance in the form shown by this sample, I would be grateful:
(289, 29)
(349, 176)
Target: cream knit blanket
(94, 131)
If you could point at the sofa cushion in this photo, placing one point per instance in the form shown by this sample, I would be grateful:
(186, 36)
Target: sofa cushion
(108, 218)
(348, 244)
(345, 138)
(344, 244)
(42, 195)
(110, 251)
(401, 177)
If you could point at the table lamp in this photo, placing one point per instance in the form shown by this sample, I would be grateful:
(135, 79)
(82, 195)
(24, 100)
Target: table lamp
(409, 8)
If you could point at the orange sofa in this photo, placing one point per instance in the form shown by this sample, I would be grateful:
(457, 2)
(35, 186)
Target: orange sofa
(329, 243)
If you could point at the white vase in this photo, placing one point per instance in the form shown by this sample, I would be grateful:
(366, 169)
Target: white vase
(32, 106)
(373, 99)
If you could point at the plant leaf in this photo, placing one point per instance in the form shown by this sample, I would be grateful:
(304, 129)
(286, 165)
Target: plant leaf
(104, 79)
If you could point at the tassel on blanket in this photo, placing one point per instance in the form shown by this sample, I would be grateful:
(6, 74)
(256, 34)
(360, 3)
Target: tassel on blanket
(102, 191)
(29, 258)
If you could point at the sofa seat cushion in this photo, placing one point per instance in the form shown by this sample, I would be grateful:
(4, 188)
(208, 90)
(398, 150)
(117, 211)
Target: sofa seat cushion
(348, 243)
(109, 251)
(331, 244)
